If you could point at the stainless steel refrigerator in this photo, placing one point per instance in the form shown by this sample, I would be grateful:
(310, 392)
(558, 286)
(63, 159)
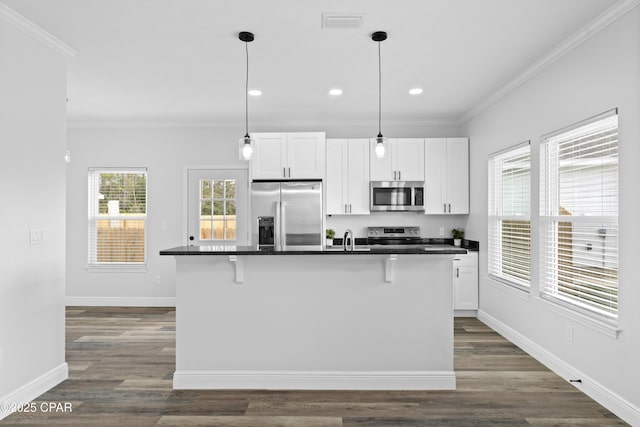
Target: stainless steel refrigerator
(286, 215)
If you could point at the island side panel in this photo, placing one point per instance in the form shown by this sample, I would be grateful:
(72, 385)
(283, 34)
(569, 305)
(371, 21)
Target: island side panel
(313, 314)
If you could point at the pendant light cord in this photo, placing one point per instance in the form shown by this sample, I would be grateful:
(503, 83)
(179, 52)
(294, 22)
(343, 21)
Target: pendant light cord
(246, 93)
(379, 93)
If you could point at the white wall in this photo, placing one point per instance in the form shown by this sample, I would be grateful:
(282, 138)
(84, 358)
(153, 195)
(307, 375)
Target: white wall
(32, 174)
(165, 152)
(600, 74)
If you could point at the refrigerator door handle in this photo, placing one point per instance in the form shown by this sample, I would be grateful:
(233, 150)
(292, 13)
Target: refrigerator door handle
(283, 228)
(276, 227)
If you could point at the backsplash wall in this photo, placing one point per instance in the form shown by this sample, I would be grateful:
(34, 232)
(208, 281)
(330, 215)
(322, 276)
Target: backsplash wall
(429, 224)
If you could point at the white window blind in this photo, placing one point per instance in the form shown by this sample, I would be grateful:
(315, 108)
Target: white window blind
(509, 215)
(579, 217)
(117, 205)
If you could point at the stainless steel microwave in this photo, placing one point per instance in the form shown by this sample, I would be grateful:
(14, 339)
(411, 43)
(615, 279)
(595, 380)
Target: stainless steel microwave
(397, 196)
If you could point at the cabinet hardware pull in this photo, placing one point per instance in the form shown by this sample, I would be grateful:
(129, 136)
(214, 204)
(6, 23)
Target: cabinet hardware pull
(457, 271)
(449, 207)
(289, 172)
(284, 172)
(445, 208)
(345, 208)
(349, 207)
(399, 175)
(394, 175)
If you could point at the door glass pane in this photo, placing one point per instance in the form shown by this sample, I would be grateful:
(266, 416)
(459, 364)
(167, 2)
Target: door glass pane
(205, 208)
(231, 229)
(218, 209)
(218, 189)
(206, 189)
(218, 230)
(205, 229)
(230, 189)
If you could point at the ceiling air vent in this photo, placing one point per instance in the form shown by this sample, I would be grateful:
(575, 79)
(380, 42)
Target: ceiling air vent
(342, 20)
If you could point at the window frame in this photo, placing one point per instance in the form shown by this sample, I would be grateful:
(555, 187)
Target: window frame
(495, 217)
(549, 223)
(93, 206)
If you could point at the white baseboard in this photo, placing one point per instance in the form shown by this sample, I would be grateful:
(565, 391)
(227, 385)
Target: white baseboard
(297, 380)
(33, 389)
(465, 313)
(121, 301)
(601, 394)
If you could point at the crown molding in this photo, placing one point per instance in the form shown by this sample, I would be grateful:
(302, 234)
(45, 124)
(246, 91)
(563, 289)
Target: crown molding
(23, 24)
(616, 11)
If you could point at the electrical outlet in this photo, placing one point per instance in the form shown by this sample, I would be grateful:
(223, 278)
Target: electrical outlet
(442, 231)
(568, 333)
(156, 279)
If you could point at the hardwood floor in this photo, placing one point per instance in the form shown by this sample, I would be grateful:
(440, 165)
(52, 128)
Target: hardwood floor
(121, 362)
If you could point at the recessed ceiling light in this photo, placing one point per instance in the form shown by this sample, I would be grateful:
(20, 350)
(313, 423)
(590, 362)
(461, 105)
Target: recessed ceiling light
(255, 92)
(415, 91)
(335, 92)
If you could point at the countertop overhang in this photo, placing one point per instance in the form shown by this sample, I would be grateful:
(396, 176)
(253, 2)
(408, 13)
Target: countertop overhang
(252, 250)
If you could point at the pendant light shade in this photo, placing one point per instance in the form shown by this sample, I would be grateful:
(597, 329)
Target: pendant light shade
(381, 141)
(246, 142)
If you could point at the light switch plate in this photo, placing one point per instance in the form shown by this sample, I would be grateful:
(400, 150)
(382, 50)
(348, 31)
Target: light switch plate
(38, 236)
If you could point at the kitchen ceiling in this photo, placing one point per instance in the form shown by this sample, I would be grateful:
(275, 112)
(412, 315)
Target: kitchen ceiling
(181, 61)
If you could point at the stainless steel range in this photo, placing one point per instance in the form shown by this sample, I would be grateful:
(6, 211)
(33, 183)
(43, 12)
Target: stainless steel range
(402, 238)
(395, 237)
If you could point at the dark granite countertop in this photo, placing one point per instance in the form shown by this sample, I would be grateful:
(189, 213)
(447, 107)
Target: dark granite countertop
(429, 249)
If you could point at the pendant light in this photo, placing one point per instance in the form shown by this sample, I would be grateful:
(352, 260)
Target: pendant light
(379, 36)
(247, 148)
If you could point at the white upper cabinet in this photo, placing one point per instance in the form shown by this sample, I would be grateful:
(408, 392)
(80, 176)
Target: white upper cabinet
(269, 156)
(458, 175)
(403, 160)
(347, 182)
(447, 176)
(305, 155)
(288, 155)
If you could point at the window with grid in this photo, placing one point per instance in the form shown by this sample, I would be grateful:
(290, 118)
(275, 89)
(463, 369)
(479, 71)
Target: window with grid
(579, 217)
(117, 217)
(509, 239)
(218, 209)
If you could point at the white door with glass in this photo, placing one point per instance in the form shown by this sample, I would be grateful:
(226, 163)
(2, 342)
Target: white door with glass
(217, 207)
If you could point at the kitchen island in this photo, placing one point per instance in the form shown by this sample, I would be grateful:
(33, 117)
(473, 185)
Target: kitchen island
(374, 319)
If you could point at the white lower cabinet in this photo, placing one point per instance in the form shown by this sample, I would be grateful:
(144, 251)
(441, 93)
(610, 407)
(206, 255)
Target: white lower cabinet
(465, 281)
(347, 182)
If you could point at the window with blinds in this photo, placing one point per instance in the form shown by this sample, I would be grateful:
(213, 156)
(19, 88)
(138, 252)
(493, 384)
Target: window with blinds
(117, 217)
(579, 216)
(509, 239)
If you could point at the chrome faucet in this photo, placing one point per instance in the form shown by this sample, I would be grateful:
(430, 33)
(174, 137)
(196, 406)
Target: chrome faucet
(349, 233)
